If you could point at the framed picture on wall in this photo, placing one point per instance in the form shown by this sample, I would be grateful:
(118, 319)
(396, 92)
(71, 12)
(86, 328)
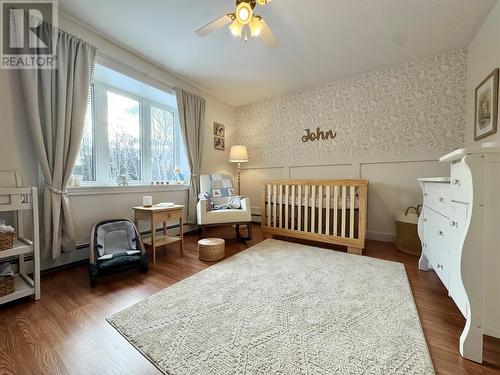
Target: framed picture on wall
(219, 130)
(486, 107)
(219, 143)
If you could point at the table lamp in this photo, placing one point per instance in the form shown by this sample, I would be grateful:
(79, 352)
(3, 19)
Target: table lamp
(238, 154)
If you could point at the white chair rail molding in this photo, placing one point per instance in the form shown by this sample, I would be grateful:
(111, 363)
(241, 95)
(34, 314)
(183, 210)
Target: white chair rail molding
(459, 230)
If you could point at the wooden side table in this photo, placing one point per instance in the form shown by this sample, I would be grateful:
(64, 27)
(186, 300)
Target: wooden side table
(160, 215)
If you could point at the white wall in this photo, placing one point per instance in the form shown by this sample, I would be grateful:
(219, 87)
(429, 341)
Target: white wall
(483, 56)
(16, 150)
(392, 125)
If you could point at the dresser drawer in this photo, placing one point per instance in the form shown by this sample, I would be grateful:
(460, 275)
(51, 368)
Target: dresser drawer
(436, 196)
(461, 183)
(436, 246)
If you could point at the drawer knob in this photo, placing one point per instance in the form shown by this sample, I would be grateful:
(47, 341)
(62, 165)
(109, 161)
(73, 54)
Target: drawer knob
(440, 266)
(456, 181)
(454, 224)
(425, 220)
(441, 200)
(440, 233)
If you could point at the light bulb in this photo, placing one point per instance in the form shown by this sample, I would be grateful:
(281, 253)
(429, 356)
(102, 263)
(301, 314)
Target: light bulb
(236, 27)
(263, 2)
(256, 26)
(244, 13)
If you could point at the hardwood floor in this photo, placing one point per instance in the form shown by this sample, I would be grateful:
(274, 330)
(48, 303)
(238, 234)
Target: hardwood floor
(66, 332)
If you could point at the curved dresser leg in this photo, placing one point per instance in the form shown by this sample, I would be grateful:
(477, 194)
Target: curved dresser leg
(471, 340)
(423, 263)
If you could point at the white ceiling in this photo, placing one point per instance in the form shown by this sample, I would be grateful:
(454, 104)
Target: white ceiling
(320, 40)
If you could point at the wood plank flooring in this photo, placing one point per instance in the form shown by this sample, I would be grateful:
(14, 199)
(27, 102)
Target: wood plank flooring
(66, 332)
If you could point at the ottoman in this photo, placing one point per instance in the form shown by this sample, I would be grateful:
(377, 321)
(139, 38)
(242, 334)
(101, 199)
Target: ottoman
(211, 249)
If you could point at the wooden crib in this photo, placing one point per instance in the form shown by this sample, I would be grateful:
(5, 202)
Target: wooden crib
(331, 211)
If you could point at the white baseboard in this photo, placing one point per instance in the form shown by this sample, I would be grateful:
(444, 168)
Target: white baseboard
(381, 236)
(492, 331)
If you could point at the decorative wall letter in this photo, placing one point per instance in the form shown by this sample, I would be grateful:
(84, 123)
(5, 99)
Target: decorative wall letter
(319, 135)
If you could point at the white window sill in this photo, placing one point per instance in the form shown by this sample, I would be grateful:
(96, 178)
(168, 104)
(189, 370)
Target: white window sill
(129, 189)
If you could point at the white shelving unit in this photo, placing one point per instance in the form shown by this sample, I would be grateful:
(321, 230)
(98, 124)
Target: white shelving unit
(19, 200)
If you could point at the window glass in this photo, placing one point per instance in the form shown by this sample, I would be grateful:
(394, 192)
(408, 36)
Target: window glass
(162, 144)
(84, 165)
(124, 138)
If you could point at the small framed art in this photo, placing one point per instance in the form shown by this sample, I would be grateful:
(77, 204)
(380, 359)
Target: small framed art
(486, 107)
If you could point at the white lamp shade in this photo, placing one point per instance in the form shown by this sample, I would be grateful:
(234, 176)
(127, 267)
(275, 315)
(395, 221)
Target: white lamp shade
(238, 154)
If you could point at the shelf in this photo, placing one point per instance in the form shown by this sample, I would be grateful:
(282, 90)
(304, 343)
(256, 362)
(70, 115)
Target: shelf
(24, 288)
(21, 246)
(161, 240)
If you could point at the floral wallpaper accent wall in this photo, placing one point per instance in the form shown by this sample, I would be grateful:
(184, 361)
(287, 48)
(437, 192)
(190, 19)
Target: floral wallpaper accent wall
(413, 107)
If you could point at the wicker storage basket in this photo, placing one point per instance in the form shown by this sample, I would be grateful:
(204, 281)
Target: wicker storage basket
(6, 241)
(7, 285)
(211, 249)
(407, 239)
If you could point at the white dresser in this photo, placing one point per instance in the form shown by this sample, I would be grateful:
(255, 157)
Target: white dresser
(460, 233)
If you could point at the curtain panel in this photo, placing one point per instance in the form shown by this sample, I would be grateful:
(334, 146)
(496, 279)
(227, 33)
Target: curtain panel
(192, 118)
(56, 101)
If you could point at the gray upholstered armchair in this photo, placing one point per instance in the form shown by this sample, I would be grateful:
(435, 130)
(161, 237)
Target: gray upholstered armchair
(221, 192)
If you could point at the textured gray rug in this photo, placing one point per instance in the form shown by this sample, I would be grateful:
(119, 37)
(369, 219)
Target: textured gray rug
(283, 308)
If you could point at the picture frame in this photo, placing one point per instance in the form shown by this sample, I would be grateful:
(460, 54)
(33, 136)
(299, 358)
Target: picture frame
(219, 130)
(486, 106)
(219, 143)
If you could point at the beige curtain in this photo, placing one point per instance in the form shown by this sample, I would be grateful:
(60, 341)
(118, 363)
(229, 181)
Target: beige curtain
(56, 102)
(192, 118)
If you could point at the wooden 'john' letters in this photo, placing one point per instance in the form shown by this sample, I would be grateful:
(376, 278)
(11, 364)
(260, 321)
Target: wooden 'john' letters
(318, 135)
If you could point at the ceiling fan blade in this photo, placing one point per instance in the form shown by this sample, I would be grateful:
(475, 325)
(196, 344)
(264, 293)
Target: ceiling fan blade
(215, 25)
(268, 37)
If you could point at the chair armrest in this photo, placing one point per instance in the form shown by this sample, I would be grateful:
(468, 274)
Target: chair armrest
(201, 209)
(245, 204)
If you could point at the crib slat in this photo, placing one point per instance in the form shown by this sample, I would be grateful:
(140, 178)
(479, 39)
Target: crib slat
(299, 214)
(335, 210)
(306, 208)
(320, 209)
(268, 205)
(287, 191)
(352, 200)
(344, 202)
(327, 210)
(280, 206)
(292, 224)
(313, 209)
(274, 205)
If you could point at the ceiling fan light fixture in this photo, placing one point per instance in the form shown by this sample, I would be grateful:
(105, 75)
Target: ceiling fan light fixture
(256, 26)
(263, 2)
(236, 28)
(244, 13)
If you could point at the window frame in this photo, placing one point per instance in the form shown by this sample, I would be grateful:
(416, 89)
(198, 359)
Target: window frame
(100, 152)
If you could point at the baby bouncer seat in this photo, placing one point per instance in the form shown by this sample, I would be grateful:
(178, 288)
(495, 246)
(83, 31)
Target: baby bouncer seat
(115, 245)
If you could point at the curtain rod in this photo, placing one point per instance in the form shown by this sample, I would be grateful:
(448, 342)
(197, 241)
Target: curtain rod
(125, 65)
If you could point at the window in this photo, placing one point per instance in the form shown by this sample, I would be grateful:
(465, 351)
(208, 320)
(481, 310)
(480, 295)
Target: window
(84, 165)
(124, 137)
(131, 133)
(162, 144)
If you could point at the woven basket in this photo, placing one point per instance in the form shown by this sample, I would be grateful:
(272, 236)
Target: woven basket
(7, 285)
(211, 249)
(6, 241)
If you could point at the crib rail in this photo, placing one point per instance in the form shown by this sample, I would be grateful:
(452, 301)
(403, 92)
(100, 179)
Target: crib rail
(331, 211)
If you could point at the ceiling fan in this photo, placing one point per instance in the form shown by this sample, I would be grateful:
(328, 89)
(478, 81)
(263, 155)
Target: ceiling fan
(244, 23)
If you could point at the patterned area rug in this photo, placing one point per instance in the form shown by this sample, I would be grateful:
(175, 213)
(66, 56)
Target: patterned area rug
(283, 308)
